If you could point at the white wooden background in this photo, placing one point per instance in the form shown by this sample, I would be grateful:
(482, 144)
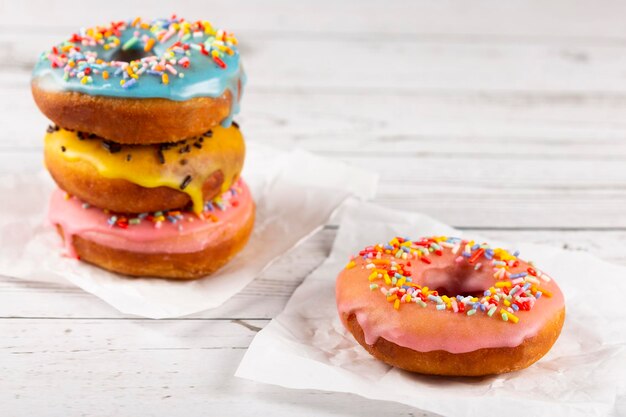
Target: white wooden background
(504, 118)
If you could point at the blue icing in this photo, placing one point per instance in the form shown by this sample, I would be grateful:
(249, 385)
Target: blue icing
(203, 77)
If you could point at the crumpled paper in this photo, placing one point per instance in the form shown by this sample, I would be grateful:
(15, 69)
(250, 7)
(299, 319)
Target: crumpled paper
(295, 193)
(584, 374)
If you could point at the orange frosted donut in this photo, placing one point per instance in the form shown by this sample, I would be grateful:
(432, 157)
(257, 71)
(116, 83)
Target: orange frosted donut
(447, 306)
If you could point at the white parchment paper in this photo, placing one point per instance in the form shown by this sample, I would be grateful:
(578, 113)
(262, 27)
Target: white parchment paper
(295, 193)
(306, 346)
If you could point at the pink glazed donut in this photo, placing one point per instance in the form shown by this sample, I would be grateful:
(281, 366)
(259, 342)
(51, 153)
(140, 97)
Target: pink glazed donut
(447, 306)
(169, 244)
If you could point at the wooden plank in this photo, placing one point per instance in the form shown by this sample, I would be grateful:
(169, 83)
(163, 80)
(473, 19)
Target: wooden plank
(579, 125)
(326, 63)
(111, 368)
(266, 296)
(518, 19)
(462, 124)
(466, 180)
(479, 193)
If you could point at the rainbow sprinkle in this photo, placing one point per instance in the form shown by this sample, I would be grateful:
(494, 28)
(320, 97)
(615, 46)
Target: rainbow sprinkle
(224, 202)
(82, 55)
(389, 265)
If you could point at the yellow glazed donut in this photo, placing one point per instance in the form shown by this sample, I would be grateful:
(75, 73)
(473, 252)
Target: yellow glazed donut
(144, 178)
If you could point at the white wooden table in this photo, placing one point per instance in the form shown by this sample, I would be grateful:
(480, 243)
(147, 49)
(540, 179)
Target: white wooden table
(504, 118)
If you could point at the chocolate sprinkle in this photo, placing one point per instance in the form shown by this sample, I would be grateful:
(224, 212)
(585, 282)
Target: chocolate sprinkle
(52, 128)
(160, 156)
(129, 157)
(197, 145)
(208, 134)
(235, 124)
(110, 146)
(183, 162)
(63, 148)
(185, 182)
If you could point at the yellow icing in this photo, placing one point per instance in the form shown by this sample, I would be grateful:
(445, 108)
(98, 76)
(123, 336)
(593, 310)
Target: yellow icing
(222, 151)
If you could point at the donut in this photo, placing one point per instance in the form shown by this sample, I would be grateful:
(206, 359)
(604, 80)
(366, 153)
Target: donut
(168, 244)
(140, 82)
(145, 178)
(448, 306)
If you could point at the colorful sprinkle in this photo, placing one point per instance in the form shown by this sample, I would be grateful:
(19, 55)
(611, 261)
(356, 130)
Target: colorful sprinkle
(510, 316)
(228, 199)
(389, 269)
(82, 54)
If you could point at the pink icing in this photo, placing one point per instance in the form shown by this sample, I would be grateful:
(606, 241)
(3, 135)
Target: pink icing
(190, 234)
(428, 329)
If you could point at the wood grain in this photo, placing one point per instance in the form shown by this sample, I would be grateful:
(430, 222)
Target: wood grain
(130, 367)
(517, 19)
(399, 66)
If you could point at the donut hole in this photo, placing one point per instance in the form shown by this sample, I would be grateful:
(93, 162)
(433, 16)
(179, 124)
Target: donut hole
(453, 293)
(128, 55)
(459, 279)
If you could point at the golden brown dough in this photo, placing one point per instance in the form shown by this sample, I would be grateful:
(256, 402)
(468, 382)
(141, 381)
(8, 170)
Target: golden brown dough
(477, 363)
(184, 266)
(133, 121)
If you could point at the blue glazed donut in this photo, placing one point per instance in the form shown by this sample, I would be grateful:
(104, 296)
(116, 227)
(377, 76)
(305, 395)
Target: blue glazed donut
(163, 63)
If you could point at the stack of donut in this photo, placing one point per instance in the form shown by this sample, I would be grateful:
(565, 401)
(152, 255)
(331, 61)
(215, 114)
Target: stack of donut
(143, 147)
